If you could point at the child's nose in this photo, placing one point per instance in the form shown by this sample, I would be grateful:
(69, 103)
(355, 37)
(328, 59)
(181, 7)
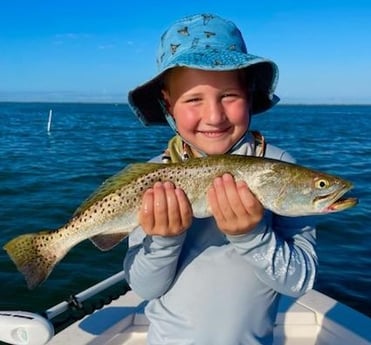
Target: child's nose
(214, 113)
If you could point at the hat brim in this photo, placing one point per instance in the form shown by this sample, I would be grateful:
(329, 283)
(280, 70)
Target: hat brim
(145, 99)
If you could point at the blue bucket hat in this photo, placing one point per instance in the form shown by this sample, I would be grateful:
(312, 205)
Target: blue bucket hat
(206, 42)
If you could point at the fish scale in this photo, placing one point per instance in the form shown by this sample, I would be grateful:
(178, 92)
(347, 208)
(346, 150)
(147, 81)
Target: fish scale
(110, 213)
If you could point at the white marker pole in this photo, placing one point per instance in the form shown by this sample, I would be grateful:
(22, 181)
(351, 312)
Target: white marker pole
(50, 120)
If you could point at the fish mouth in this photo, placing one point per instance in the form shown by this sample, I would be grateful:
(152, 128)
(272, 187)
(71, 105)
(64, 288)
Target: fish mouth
(342, 204)
(336, 201)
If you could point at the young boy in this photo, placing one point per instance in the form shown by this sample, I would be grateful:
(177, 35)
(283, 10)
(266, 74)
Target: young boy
(215, 280)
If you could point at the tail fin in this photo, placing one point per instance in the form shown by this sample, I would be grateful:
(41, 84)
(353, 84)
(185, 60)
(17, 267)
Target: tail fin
(33, 256)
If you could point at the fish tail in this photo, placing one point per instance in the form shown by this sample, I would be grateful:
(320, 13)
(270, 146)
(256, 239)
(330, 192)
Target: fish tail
(33, 258)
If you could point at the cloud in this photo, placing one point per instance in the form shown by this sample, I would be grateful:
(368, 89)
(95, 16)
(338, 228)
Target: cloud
(70, 37)
(63, 96)
(106, 46)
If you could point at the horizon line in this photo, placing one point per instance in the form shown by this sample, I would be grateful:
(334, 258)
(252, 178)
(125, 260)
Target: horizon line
(288, 103)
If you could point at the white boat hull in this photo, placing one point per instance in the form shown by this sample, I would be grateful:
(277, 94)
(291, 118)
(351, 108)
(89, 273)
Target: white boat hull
(313, 319)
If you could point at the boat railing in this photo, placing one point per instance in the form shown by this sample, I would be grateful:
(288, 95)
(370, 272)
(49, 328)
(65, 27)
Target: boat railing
(19, 327)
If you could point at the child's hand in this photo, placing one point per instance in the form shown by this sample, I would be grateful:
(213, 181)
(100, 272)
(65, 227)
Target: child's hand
(165, 210)
(235, 208)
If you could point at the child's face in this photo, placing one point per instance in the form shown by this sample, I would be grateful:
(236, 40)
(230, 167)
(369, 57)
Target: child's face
(210, 108)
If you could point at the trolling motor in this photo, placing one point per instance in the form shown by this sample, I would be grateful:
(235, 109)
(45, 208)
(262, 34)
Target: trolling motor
(24, 328)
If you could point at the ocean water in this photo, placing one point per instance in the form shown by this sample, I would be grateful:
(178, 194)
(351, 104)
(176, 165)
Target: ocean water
(44, 176)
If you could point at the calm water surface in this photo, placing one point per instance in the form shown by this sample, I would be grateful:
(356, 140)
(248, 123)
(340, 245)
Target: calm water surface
(45, 176)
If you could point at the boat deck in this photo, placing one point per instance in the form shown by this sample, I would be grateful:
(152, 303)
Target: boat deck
(313, 319)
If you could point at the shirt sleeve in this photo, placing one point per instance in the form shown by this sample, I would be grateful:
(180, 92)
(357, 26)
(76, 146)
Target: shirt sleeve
(282, 251)
(150, 263)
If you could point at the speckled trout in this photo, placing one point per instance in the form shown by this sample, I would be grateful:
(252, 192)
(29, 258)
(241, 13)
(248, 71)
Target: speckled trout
(110, 213)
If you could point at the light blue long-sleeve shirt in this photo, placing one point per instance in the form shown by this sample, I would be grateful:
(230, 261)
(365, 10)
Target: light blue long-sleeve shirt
(204, 287)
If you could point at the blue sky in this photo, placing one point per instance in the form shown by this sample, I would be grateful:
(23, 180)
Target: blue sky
(64, 50)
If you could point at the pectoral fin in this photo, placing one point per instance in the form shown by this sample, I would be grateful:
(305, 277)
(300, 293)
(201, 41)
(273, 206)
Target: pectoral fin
(107, 241)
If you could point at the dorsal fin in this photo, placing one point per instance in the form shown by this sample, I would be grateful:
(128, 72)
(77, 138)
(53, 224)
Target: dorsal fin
(117, 181)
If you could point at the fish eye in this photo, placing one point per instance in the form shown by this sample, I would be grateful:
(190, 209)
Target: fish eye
(321, 184)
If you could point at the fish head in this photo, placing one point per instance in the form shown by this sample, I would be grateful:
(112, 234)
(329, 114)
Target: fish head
(328, 194)
(307, 192)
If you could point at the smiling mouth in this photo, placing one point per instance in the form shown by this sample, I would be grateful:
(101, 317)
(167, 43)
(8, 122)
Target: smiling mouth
(214, 134)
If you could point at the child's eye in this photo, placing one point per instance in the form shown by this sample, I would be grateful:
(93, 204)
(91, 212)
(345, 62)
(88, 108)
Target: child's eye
(193, 100)
(230, 95)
